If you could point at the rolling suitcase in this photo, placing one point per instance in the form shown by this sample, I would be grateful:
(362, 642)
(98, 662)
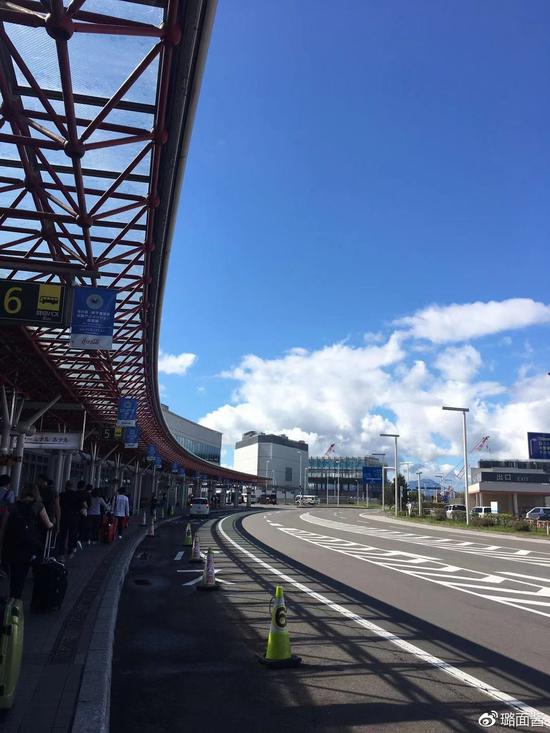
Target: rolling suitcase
(108, 528)
(11, 649)
(50, 581)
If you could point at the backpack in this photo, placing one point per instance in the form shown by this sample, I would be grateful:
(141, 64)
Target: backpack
(22, 538)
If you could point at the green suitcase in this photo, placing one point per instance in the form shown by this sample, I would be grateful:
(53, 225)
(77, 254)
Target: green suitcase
(11, 649)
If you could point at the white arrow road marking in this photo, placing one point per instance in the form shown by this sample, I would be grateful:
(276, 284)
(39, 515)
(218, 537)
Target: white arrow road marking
(199, 578)
(425, 657)
(179, 555)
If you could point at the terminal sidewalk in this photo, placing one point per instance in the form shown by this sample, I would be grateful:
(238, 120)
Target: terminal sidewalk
(56, 644)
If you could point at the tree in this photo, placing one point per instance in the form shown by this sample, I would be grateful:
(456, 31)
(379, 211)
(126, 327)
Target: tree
(403, 489)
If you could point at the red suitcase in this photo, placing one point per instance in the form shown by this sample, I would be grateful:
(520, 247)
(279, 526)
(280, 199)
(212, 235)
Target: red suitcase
(108, 528)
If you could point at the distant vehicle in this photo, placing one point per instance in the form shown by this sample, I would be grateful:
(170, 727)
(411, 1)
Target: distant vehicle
(450, 510)
(481, 511)
(539, 512)
(307, 500)
(267, 499)
(199, 507)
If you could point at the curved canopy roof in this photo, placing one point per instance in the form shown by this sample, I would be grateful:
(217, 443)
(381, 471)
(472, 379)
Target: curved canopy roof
(97, 106)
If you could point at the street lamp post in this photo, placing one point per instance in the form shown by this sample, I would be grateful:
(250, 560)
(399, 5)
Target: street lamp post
(464, 410)
(338, 482)
(380, 455)
(394, 436)
(299, 452)
(440, 477)
(418, 475)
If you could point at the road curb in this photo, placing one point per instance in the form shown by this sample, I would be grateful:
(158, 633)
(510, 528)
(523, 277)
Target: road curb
(92, 712)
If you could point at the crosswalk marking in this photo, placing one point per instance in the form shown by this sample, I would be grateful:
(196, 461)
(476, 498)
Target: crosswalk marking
(493, 587)
(500, 552)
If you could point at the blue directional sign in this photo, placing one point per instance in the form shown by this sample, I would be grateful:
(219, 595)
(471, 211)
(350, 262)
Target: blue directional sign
(127, 410)
(93, 318)
(539, 445)
(372, 475)
(151, 453)
(158, 461)
(131, 437)
(175, 467)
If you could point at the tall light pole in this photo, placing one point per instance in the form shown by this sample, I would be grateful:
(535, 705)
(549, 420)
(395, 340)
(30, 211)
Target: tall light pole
(418, 475)
(382, 455)
(464, 410)
(394, 436)
(299, 452)
(440, 477)
(338, 484)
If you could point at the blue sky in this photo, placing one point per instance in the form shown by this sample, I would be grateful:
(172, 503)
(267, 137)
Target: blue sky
(348, 170)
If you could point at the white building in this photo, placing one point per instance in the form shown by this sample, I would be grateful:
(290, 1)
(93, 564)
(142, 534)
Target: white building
(203, 442)
(273, 456)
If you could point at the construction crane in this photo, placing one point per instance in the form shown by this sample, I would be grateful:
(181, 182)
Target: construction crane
(329, 450)
(458, 470)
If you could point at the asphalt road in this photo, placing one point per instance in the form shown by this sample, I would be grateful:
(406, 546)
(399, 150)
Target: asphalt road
(397, 632)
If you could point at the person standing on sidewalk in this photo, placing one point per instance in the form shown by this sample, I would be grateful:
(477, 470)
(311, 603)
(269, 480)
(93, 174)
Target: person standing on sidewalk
(20, 537)
(71, 504)
(121, 510)
(97, 507)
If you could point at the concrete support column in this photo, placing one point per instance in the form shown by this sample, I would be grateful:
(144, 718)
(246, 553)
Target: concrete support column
(67, 466)
(515, 504)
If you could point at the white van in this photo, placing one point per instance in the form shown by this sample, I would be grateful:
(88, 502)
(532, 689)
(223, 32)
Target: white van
(307, 500)
(481, 511)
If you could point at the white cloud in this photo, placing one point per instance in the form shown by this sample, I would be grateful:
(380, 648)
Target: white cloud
(175, 363)
(459, 363)
(461, 322)
(349, 395)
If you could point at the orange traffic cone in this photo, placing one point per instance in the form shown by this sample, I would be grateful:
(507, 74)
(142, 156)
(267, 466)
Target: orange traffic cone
(278, 653)
(208, 581)
(196, 551)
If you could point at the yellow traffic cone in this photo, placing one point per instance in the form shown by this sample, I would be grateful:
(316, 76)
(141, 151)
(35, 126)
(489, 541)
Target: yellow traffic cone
(188, 541)
(278, 653)
(144, 520)
(208, 581)
(151, 532)
(196, 551)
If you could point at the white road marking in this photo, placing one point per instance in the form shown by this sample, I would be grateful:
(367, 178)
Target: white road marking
(416, 651)
(500, 552)
(468, 581)
(179, 555)
(529, 577)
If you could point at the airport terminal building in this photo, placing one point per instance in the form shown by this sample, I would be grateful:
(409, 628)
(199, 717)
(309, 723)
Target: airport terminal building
(277, 457)
(517, 486)
(203, 442)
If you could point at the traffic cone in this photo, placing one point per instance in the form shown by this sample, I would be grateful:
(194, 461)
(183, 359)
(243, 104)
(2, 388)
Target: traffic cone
(278, 653)
(208, 581)
(196, 551)
(151, 532)
(188, 541)
(144, 520)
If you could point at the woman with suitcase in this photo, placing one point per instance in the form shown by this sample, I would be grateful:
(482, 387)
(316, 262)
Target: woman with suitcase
(21, 537)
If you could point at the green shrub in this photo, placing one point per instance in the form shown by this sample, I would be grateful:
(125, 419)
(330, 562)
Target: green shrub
(520, 525)
(438, 514)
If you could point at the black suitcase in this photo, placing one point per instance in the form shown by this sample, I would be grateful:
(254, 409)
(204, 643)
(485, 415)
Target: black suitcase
(50, 582)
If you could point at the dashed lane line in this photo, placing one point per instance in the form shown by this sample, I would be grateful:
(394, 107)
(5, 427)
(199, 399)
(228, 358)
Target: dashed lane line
(406, 646)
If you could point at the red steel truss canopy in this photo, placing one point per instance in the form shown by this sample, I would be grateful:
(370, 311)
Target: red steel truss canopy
(98, 99)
